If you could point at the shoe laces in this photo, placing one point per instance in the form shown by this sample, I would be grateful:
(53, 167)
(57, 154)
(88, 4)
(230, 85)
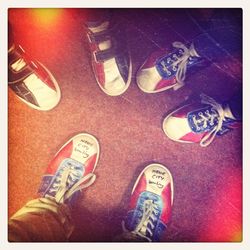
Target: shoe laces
(181, 62)
(208, 118)
(149, 216)
(66, 185)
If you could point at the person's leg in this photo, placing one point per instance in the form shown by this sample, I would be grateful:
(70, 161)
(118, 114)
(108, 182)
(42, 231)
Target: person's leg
(167, 69)
(220, 39)
(201, 122)
(41, 220)
(234, 105)
(150, 206)
(217, 43)
(212, 18)
(48, 218)
(220, 31)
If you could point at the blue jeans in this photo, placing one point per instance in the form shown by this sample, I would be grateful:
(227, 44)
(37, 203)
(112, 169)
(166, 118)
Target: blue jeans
(221, 37)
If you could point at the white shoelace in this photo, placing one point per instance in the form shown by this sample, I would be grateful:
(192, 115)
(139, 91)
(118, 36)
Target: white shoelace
(181, 62)
(207, 139)
(148, 217)
(61, 189)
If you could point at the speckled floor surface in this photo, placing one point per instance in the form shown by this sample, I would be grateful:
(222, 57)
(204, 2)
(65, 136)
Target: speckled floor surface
(207, 181)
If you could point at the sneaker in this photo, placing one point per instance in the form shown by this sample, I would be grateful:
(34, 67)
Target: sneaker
(71, 169)
(111, 61)
(164, 70)
(199, 122)
(150, 204)
(31, 81)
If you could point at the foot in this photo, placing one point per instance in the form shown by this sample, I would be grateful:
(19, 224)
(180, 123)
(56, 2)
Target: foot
(31, 81)
(111, 61)
(71, 169)
(199, 122)
(150, 204)
(164, 70)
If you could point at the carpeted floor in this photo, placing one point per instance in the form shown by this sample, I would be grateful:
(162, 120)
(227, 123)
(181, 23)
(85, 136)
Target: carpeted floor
(207, 181)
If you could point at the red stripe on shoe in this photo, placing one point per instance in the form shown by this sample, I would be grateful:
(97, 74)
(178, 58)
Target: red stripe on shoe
(165, 83)
(44, 76)
(236, 124)
(99, 72)
(193, 137)
(141, 187)
(151, 60)
(167, 206)
(183, 112)
(65, 152)
(40, 72)
(93, 47)
(97, 66)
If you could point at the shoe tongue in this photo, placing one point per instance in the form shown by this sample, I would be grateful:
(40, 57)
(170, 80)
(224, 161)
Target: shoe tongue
(203, 119)
(103, 26)
(46, 188)
(135, 218)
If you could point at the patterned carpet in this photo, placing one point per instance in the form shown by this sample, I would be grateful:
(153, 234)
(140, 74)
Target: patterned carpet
(207, 181)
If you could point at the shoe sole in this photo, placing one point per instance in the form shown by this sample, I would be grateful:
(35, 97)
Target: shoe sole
(58, 91)
(162, 167)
